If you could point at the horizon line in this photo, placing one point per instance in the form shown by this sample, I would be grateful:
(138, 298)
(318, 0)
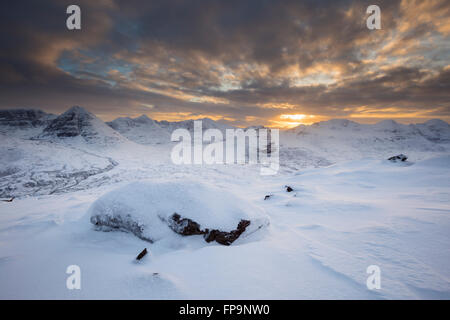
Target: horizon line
(219, 120)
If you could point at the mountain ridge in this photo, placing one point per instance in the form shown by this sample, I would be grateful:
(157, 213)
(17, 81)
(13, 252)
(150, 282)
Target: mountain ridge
(79, 122)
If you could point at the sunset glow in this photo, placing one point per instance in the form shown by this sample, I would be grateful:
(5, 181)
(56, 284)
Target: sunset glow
(182, 60)
(293, 120)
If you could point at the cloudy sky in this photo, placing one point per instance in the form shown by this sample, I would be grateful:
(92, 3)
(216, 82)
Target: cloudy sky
(278, 63)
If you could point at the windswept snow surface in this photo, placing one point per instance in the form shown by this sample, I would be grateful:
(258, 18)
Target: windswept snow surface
(350, 208)
(322, 237)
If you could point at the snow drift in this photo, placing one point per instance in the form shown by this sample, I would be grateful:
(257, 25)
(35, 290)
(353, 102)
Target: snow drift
(150, 209)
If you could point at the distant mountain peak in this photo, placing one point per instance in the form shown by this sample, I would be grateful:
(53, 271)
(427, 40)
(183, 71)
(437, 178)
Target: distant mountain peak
(78, 122)
(144, 119)
(77, 110)
(437, 123)
(336, 123)
(142, 130)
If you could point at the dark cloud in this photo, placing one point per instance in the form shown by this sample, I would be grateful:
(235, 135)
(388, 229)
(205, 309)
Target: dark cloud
(243, 61)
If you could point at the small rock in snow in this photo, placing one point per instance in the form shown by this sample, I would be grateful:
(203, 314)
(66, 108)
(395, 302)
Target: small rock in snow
(400, 157)
(142, 254)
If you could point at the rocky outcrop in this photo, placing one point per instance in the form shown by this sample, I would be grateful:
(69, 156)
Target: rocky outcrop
(24, 118)
(226, 238)
(184, 226)
(188, 227)
(23, 123)
(78, 122)
(74, 122)
(400, 157)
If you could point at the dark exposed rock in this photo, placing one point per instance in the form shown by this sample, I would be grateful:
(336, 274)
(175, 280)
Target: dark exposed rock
(9, 200)
(226, 238)
(188, 227)
(184, 226)
(78, 122)
(24, 118)
(70, 124)
(400, 157)
(267, 197)
(289, 189)
(142, 254)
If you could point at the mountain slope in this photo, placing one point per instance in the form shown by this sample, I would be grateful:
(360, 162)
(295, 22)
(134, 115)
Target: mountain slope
(142, 130)
(29, 167)
(77, 124)
(189, 125)
(328, 142)
(23, 123)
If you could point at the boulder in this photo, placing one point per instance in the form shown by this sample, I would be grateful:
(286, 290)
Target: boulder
(156, 210)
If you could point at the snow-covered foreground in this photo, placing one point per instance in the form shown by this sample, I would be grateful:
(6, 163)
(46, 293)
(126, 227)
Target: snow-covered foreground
(321, 238)
(77, 181)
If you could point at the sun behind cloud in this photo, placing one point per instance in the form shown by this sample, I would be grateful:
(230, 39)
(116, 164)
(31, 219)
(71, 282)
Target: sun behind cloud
(293, 120)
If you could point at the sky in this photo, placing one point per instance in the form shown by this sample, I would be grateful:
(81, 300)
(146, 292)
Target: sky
(243, 62)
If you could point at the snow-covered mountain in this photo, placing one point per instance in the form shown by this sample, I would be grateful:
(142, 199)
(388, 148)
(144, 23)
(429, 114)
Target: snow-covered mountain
(23, 123)
(29, 167)
(78, 124)
(46, 154)
(433, 130)
(207, 123)
(335, 140)
(42, 153)
(142, 130)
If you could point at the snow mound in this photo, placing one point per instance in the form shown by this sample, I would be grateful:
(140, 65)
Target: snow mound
(146, 208)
